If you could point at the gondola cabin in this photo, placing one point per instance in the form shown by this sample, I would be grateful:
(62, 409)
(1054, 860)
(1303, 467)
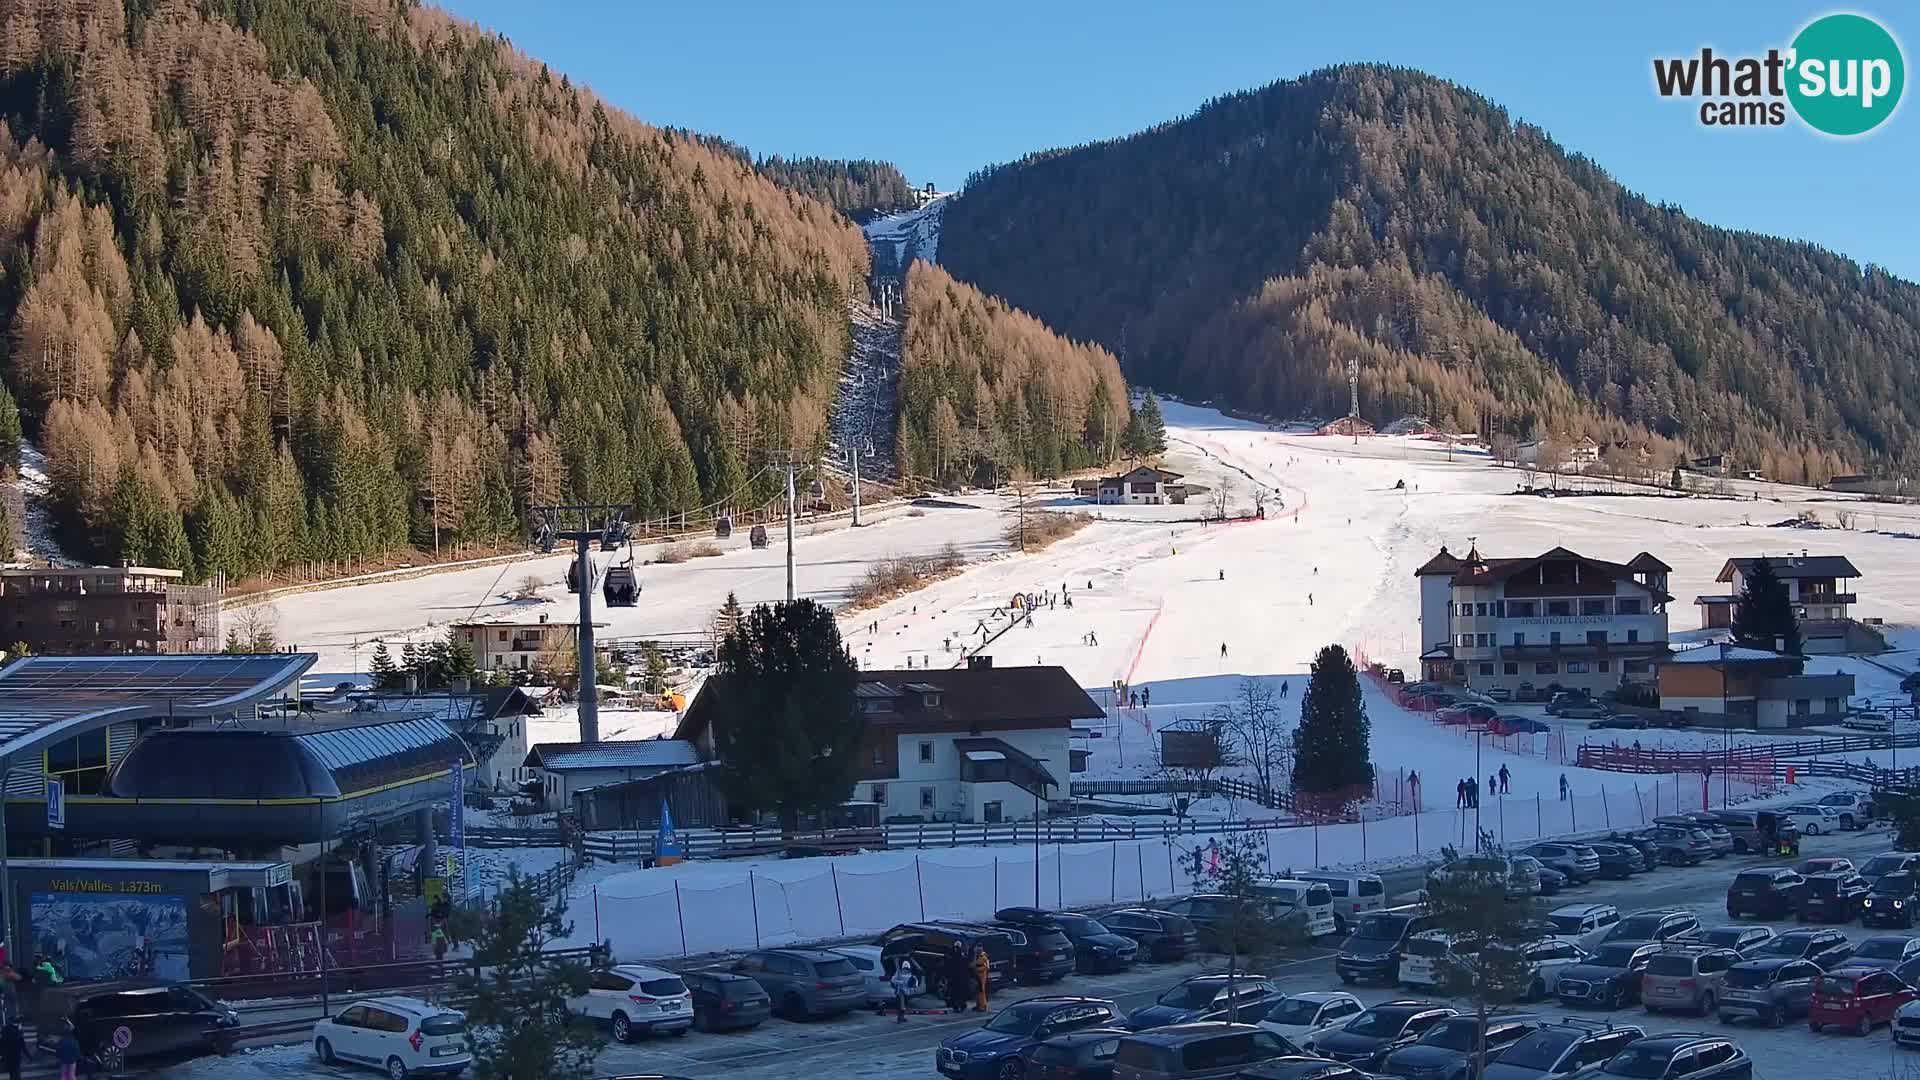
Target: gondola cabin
(621, 588)
(758, 537)
(723, 528)
(573, 575)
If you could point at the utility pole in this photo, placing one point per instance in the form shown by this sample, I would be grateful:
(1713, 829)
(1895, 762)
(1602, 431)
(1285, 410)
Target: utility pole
(853, 457)
(787, 458)
(612, 533)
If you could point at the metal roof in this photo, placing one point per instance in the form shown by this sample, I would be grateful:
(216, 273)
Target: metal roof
(44, 698)
(635, 754)
(1788, 567)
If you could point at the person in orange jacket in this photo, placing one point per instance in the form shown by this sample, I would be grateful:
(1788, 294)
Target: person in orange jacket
(981, 966)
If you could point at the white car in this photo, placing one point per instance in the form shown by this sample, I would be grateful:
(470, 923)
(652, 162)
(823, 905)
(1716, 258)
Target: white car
(1299, 1015)
(1578, 922)
(866, 960)
(1425, 959)
(1548, 957)
(1906, 1024)
(634, 999)
(401, 1036)
(1812, 818)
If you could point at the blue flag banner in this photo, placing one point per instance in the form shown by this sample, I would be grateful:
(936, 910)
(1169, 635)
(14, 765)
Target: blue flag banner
(456, 813)
(667, 848)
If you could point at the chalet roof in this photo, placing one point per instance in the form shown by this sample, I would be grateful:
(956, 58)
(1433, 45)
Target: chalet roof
(635, 754)
(1161, 475)
(1443, 563)
(1788, 567)
(1727, 654)
(1644, 563)
(1490, 571)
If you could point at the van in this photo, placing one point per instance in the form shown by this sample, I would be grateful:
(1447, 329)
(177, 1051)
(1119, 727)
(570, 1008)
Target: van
(1312, 900)
(1197, 1051)
(1353, 896)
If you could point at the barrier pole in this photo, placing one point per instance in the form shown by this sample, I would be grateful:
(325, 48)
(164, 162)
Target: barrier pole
(1169, 843)
(681, 913)
(1316, 845)
(996, 883)
(1539, 818)
(1140, 863)
(1606, 809)
(1058, 860)
(753, 901)
(1113, 873)
(837, 909)
(919, 888)
(1363, 838)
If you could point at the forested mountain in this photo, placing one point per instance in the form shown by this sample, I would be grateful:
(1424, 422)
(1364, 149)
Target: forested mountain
(1482, 276)
(859, 189)
(987, 390)
(308, 279)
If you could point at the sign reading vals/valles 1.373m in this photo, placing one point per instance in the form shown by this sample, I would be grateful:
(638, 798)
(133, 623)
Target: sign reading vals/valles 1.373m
(1842, 75)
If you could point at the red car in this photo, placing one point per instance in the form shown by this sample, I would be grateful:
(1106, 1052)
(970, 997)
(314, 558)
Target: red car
(1856, 998)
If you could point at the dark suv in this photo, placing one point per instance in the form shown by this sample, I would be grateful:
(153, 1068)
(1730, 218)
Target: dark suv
(1373, 952)
(1160, 935)
(1677, 846)
(1041, 954)
(1446, 1051)
(1891, 901)
(1680, 1056)
(934, 942)
(994, 1051)
(1560, 1049)
(1578, 862)
(1095, 948)
(1832, 897)
(1827, 948)
(1364, 1041)
(165, 1020)
(1766, 892)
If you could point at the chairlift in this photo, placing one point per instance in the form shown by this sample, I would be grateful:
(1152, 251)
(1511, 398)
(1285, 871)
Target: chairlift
(543, 537)
(723, 527)
(621, 587)
(613, 535)
(758, 537)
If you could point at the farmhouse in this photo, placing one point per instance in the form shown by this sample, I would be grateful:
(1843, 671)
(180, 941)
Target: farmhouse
(1755, 688)
(1144, 485)
(564, 768)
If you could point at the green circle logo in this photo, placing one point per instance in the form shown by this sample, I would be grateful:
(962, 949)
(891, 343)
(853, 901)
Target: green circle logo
(1847, 74)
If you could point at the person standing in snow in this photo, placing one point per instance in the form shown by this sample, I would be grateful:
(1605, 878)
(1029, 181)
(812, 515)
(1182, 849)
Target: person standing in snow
(982, 969)
(1506, 781)
(1460, 795)
(13, 1046)
(1563, 787)
(902, 983)
(1493, 784)
(1223, 650)
(955, 977)
(1146, 696)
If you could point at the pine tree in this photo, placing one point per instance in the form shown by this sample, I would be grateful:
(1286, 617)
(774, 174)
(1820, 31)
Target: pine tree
(520, 1022)
(385, 675)
(1468, 899)
(9, 431)
(1765, 618)
(412, 663)
(1331, 748)
(459, 658)
(1153, 428)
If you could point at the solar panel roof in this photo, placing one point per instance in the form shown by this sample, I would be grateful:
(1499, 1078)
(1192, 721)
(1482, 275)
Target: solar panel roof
(44, 698)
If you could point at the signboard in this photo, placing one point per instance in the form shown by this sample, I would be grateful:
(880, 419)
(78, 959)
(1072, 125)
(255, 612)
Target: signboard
(56, 803)
(122, 1037)
(456, 814)
(279, 874)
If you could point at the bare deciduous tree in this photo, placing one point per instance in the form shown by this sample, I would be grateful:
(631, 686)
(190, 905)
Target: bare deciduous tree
(1259, 729)
(1550, 458)
(1503, 448)
(1222, 499)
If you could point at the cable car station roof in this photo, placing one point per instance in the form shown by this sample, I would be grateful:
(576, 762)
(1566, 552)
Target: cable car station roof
(44, 699)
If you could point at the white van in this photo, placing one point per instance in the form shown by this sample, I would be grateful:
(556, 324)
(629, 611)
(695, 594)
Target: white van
(1312, 899)
(400, 1036)
(1353, 896)
(1578, 922)
(1426, 958)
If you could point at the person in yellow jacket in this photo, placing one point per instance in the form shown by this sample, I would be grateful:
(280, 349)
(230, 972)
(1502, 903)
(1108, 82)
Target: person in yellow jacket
(981, 966)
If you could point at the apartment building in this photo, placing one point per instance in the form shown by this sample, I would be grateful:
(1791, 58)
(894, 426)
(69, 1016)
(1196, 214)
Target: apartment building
(1559, 618)
(95, 610)
(515, 644)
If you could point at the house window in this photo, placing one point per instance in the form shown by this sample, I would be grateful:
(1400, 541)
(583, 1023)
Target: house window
(926, 751)
(1596, 637)
(1459, 671)
(503, 635)
(1559, 607)
(1480, 609)
(1802, 707)
(1546, 667)
(1486, 669)
(880, 794)
(926, 798)
(1466, 640)
(1593, 607)
(879, 755)
(1553, 638)
(1603, 666)
(1633, 636)
(1627, 605)
(1510, 669)
(1576, 667)
(1520, 609)
(1634, 667)
(1484, 641)
(1519, 637)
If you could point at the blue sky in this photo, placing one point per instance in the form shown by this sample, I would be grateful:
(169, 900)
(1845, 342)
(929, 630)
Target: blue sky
(941, 89)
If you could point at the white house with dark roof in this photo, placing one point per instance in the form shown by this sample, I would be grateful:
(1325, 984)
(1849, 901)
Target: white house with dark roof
(564, 768)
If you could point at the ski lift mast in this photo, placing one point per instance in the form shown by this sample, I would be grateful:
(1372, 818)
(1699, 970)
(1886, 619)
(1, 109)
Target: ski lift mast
(613, 532)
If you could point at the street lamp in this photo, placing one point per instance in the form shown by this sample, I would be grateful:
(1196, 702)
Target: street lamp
(1478, 738)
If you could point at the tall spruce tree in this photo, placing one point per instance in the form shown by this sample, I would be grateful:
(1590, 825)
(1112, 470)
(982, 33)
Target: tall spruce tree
(383, 672)
(1469, 901)
(1765, 619)
(782, 712)
(1331, 747)
(1153, 428)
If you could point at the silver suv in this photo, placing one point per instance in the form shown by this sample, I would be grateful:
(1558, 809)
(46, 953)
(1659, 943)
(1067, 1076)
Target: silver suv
(1685, 977)
(1770, 991)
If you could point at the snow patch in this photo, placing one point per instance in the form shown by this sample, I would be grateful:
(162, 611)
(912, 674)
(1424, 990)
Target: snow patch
(36, 530)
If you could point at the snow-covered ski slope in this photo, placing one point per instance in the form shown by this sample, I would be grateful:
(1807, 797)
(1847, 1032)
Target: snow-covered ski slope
(898, 239)
(1158, 608)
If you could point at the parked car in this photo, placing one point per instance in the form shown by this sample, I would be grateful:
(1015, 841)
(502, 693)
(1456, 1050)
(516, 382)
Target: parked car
(1906, 1024)
(1446, 1051)
(1522, 880)
(1159, 935)
(1499, 693)
(1656, 925)
(1719, 837)
(1301, 1068)
(1679, 1056)
(1300, 1015)
(1558, 704)
(1041, 954)
(1207, 912)
(166, 1019)
(1769, 991)
(1884, 951)
(1424, 960)
(400, 1036)
(1831, 897)
(1764, 892)
(635, 999)
(1827, 949)
(1197, 1052)
(805, 983)
(724, 1001)
(1197, 996)
(1814, 819)
(1353, 896)
(1077, 1055)
(1826, 865)
(1680, 847)
(1095, 948)
(1618, 861)
(1364, 1041)
(1609, 977)
(1640, 840)
(1560, 1049)
(1551, 881)
(1309, 901)
(1547, 958)
(930, 944)
(1890, 862)
(1373, 951)
(1856, 999)
(1578, 861)
(1745, 940)
(1576, 922)
(1892, 900)
(1755, 831)
(1511, 724)
(1617, 721)
(1685, 977)
(996, 1050)
(872, 962)
(1856, 807)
